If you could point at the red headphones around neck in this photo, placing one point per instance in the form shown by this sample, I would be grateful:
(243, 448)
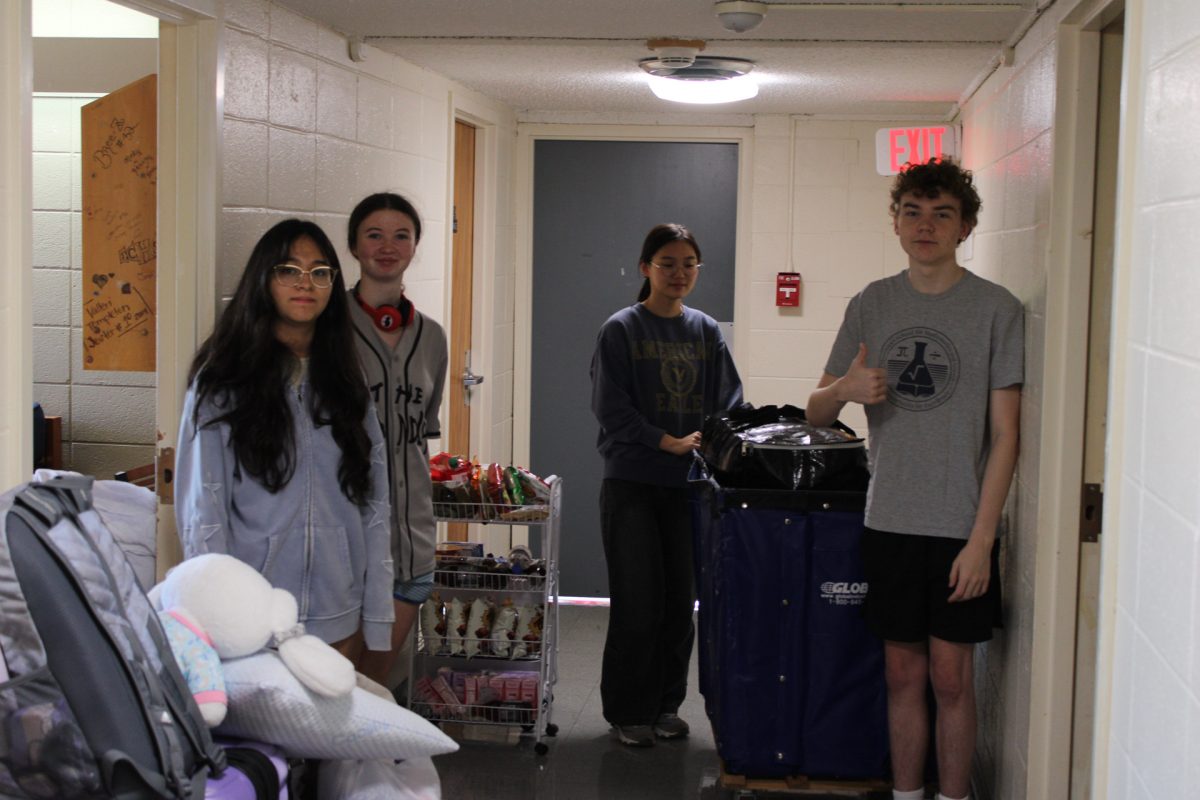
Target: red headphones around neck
(387, 317)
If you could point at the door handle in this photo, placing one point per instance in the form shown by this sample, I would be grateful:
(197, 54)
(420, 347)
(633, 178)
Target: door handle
(469, 379)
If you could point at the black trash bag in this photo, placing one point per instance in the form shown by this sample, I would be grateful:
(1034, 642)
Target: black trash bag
(775, 447)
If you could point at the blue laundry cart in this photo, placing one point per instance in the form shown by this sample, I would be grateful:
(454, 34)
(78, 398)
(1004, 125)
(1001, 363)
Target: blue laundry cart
(792, 680)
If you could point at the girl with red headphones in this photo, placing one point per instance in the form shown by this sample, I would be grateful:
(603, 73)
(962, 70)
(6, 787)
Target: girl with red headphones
(405, 359)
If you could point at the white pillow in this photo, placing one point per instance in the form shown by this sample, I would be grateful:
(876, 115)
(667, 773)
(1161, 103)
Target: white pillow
(267, 703)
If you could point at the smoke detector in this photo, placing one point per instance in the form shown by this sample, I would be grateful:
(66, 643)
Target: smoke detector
(672, 53)
(679, 59)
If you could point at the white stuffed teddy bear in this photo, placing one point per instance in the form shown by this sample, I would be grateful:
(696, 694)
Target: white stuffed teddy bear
(215, 607)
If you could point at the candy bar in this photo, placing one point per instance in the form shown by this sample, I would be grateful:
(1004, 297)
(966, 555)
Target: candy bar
(433, 623)
(456, 625)
(479, 624)
(529, 631)
(504, 629)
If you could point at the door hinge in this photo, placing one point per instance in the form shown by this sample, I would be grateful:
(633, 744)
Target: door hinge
(454, 219)
(1091, 512)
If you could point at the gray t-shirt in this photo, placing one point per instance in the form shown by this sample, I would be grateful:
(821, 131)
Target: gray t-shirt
(943, 354)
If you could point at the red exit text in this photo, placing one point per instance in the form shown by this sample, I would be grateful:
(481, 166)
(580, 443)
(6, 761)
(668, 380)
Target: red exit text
(895, 147)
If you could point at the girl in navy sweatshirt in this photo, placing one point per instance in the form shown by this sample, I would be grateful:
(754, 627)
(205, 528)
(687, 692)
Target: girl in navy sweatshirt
(658, 370)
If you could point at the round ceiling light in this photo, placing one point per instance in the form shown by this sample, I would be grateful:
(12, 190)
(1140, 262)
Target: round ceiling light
(708, 79)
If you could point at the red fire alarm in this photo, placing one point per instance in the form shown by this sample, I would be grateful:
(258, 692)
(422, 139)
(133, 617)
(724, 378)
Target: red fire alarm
(787, 289)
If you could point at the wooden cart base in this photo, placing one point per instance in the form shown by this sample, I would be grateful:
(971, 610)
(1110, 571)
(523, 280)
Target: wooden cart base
(803, 785)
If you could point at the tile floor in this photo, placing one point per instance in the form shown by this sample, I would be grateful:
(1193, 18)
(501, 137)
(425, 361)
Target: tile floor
(584, 762)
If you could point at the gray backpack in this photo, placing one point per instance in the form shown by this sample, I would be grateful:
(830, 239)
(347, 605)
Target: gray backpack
(93, 703)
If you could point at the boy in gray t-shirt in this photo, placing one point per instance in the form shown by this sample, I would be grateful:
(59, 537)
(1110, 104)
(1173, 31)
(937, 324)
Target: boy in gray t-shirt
(935, 355)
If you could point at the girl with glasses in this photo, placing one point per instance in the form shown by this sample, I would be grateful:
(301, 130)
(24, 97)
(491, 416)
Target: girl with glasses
(658, 369)
(280, 458)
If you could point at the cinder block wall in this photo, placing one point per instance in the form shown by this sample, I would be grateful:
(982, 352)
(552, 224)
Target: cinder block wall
(1153, 746)
(309, 132)
(841, 239)
(1008, 143)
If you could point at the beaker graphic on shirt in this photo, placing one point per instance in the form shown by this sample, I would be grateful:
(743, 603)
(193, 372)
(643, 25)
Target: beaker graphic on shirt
(922, 368)
(915, 380)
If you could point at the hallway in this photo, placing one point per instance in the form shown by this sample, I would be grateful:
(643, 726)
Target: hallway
(584, 761)
(296, 108)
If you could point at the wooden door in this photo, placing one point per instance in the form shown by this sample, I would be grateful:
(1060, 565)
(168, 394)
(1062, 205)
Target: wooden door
(458, 439)
(120, 241)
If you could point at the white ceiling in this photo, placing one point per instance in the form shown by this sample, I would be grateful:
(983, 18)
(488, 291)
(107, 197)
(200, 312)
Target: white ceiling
(563, 60)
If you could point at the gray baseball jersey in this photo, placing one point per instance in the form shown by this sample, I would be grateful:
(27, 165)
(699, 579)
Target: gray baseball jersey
(406, 384)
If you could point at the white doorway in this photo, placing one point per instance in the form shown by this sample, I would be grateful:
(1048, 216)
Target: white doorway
(1065, 661)
(82, 51)
(1111, 46)
(189, 69)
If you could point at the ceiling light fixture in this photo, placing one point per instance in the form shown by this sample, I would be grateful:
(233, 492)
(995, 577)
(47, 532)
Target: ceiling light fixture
(710, 91)
(678, 74)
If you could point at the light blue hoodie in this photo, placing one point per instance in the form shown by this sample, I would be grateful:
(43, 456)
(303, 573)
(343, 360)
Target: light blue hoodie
(308, 538)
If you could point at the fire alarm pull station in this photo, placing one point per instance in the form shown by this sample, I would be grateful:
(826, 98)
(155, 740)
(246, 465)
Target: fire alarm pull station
(787, 289)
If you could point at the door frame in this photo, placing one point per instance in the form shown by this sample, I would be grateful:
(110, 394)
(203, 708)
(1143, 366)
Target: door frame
(464, 157)
(1133, 90)
(191, 70)
(16, 240)
(528, 134)
(491, 257)
(191, 110)
(1064, 376)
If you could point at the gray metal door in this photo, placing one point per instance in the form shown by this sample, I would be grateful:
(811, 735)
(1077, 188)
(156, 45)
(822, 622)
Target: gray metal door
(594, 202)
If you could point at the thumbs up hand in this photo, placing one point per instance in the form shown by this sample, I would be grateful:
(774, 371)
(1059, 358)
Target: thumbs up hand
(863, 384)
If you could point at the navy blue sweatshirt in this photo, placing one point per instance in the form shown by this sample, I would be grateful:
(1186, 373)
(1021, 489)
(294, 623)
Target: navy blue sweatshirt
(652, 375)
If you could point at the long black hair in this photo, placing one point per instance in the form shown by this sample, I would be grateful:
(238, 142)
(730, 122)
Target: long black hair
(659, 237)
(246, 371)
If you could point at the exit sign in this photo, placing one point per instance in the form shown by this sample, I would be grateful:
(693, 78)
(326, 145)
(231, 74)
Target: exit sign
(895, 147)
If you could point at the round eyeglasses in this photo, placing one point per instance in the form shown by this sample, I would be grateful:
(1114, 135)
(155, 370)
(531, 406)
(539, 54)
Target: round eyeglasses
(688, 268)
(291, 275)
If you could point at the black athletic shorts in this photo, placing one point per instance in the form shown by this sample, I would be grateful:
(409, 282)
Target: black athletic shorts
(907, 579)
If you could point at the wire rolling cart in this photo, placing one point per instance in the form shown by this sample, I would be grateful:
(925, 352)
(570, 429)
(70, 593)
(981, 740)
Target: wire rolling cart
(500, 679)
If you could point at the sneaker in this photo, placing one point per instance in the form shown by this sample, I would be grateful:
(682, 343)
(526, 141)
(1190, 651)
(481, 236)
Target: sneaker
(634, 735)
(670, 726)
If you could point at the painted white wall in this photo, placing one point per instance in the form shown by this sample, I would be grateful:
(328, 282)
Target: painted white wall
(1008, 140)
(1151, 569)
(308, 133)
(90, 19)
(108, 417)
(839, 238)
